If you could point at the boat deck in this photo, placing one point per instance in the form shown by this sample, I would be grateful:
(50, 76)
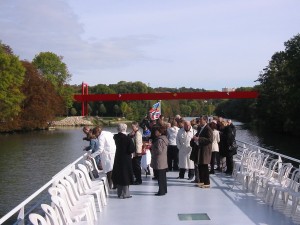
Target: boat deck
(186, 204)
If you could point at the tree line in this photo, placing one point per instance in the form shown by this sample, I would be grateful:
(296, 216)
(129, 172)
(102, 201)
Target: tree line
(278, 106)
(34, 93)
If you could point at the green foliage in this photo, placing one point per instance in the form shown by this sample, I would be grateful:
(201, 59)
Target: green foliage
(55, 70)
(102, 110)
(12, 77)
(279, 105)
(73, 112)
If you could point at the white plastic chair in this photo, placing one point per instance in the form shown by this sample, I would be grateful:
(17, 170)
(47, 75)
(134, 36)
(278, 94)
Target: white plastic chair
(278, 180)
(81, 200)
(76, 188)
(51, 215)
(84, 189)
(75, 213)
(283, 195)
(91, 165)
(260, 180)
(37, 219)
(92, 184)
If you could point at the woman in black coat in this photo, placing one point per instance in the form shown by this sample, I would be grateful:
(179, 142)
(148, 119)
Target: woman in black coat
(226, 140)
(122, 174)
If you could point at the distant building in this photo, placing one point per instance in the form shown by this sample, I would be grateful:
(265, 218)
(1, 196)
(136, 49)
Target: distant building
(228, 89)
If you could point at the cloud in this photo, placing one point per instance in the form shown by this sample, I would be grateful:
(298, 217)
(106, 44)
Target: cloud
(34, 26)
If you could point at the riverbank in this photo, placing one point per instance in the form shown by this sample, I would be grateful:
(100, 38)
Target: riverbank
(89, 121)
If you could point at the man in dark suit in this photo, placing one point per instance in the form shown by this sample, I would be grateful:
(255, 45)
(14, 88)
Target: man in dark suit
(203, 139)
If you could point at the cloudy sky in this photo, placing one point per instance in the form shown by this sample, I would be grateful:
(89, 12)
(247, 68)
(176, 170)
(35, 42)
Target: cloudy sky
(163, 43)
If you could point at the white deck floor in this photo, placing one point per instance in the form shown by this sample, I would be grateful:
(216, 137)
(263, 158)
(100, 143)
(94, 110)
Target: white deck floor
(223, 206)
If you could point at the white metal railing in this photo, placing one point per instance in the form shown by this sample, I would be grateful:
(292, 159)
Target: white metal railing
(21, 207)
(243, 144)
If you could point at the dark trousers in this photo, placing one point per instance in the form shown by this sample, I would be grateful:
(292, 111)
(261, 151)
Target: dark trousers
(204, 174)
(109, 179)
(196, 174)
(172, 157)
(229, 164)
(190, 174)
(162, 181)
(136, 166)
(214, 157)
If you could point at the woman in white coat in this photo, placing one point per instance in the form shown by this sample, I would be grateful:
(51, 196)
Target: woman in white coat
(107, 151)
(214, 148)
(183, 139)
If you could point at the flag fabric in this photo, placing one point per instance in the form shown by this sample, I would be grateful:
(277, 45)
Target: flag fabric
(155, 111)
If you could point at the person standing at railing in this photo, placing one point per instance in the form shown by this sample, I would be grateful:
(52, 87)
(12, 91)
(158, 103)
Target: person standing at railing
(107, 151)
(122, 174)
(226, 140)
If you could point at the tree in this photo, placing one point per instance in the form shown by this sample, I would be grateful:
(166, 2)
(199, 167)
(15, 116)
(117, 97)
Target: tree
(55, 70)
(73, 112)
(116, 109)
(278, 104)
(102, 109)
(41, 104)
(52, 68)
(12, 77)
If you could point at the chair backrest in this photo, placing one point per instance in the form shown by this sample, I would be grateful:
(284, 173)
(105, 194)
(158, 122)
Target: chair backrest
(63, 209)
(71, 195)
(86, 174)
(37, 219)
(51, 215)
(295, 180)
(73, 186)
(81, 181)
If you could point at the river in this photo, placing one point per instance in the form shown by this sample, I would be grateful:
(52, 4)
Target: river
(29, 160)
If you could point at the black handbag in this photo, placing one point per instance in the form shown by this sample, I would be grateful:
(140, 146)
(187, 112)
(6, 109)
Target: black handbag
(233, 148)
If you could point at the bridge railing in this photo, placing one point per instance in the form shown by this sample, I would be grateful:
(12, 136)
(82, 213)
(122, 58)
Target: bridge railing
(20, 209)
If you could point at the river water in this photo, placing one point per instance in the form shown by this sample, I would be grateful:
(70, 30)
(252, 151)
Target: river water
(29, 160)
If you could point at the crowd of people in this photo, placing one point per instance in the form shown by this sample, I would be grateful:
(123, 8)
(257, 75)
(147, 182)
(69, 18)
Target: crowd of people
(198, 147)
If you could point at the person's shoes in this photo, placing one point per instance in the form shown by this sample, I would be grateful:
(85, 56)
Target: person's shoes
(159, 194)
(219, 169)
(211, 172)
(199, 184)
(205, 186)
(154, 178)
(190, 178)
(194, 181)
(130, 196)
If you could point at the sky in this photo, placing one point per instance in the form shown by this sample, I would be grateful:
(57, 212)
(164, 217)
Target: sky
(162, 43)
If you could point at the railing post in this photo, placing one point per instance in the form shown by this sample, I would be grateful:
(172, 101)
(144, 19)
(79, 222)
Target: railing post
(21, 216)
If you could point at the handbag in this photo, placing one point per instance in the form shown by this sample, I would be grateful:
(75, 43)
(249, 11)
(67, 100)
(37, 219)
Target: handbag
(233, 148)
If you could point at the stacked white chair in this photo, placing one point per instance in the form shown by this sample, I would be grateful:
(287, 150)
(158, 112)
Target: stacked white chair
(84, 189)
(75, 213)
(91, 165)
(81, 200)
(284, 195)
(37, 219)
(279, 179)
(260, 180)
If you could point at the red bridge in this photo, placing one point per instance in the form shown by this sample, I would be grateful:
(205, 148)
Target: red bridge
(85, 97)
